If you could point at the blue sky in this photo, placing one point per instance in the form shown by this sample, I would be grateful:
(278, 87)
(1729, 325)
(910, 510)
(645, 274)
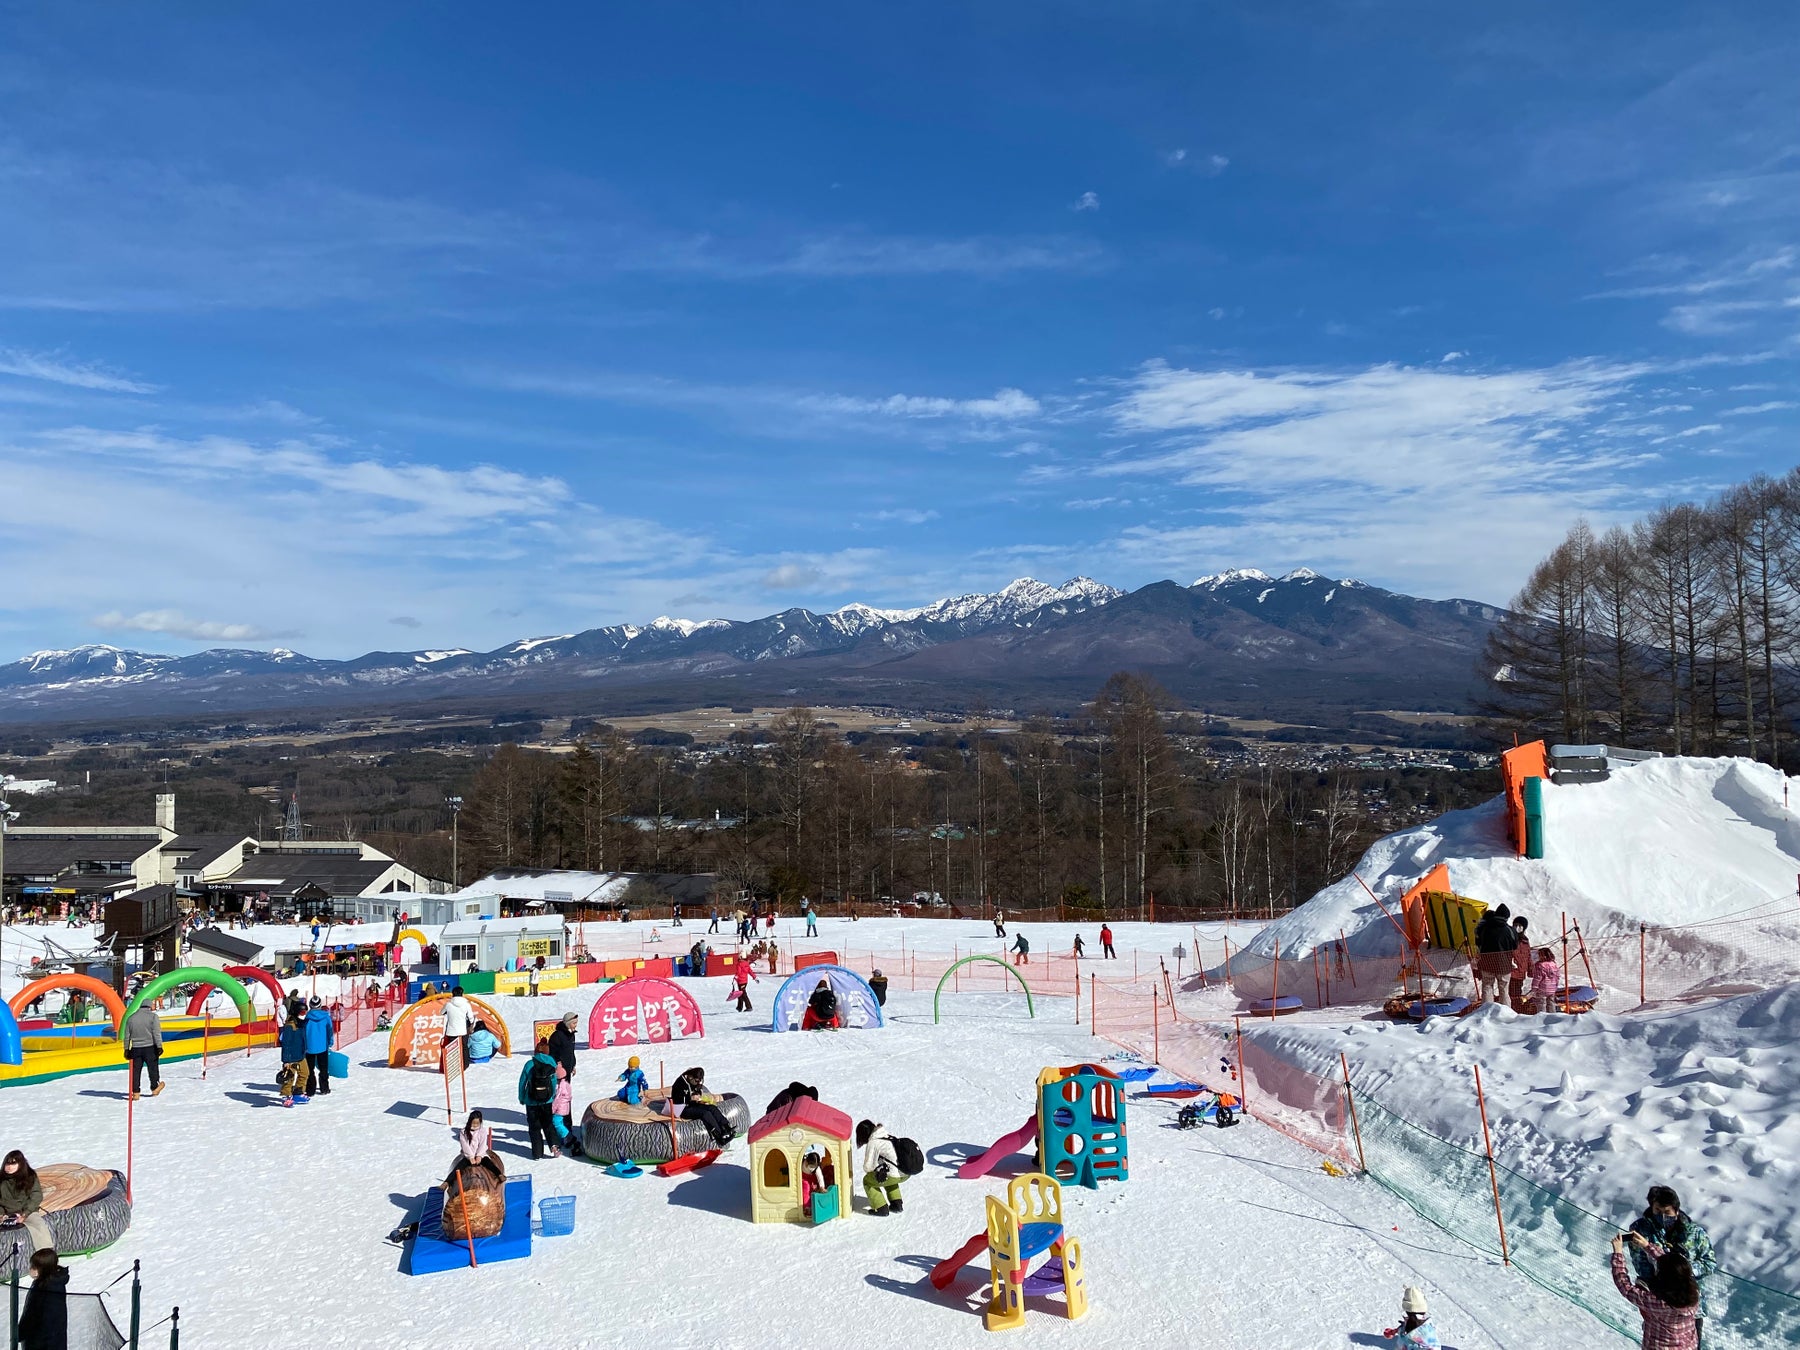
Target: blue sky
(349, 327)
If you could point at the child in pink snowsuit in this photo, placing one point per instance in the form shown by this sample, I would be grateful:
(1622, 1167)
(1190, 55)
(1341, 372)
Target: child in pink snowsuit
(1546, 979)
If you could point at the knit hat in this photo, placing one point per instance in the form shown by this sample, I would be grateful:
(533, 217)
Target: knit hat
(1413, 1300)
(632, 1063)
(571, 1018)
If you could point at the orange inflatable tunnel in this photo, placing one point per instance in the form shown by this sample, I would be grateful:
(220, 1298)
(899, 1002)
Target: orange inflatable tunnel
(417, 1038)
(87, 984)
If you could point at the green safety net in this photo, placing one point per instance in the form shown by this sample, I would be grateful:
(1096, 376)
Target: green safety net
(1555, 1243)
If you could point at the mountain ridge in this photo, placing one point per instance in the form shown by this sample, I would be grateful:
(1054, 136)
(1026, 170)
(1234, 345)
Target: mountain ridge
(1236, 636)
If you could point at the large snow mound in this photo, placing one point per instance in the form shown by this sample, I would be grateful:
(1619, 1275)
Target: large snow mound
(1664, 842)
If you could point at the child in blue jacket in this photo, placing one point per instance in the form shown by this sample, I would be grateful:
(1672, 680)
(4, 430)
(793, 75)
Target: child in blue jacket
(636, 1085)
(292, 1079)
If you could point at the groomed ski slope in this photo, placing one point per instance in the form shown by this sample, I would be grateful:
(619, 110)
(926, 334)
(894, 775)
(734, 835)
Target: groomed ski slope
(266, 1225)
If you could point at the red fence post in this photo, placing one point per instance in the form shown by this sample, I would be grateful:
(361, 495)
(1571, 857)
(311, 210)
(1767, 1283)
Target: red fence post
(1493, 1176)
(1355, 1127)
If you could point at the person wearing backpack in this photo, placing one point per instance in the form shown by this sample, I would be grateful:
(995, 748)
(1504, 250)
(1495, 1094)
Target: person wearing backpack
(881, 1168)
(537, 1093)
(321, 1034)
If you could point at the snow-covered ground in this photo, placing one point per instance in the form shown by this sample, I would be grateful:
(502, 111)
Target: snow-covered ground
(266, 1222)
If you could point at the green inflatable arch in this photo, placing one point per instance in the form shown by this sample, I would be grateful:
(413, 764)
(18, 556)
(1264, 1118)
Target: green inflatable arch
(173, 979)
(1029, 1006)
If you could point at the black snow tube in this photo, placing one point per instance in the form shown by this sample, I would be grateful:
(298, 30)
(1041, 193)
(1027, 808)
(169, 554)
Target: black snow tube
(94, 1223)
(607, 1137)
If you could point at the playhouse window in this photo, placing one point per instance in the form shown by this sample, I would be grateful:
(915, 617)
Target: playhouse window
(1103, 1106)
(775, 1171)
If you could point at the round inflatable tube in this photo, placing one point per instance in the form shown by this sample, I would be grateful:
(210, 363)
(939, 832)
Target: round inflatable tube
(613, 1132)
(85, 1207)
(1441, 1007)
(1274, 1007)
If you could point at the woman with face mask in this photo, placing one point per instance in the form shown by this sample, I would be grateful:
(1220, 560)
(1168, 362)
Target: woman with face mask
(1663, 1227)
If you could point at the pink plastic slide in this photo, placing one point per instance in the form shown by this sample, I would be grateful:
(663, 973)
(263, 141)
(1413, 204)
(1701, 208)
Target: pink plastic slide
(944, 1272)
(1004, 1146)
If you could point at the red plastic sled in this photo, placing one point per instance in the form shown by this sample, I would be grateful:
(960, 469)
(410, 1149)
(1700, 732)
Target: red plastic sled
(688, 1162)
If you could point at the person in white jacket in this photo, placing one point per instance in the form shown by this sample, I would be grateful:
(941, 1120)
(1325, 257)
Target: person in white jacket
(880, 1167)
(458, 1019)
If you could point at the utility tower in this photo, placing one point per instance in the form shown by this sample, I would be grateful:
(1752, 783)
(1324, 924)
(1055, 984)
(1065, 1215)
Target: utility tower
(290, 826)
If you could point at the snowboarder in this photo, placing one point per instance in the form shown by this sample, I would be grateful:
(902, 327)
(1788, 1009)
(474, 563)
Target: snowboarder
(881, 1168)
(636, 1085)
(1415, 1331)
(1021, 950)
(1106, 947)
(1663, 1227)
(1668, 1301)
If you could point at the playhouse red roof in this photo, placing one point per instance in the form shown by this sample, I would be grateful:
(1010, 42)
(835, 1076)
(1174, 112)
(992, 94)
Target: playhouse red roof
(804, 1111)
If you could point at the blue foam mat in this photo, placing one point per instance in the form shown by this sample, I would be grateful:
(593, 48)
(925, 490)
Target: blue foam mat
(429, 1254)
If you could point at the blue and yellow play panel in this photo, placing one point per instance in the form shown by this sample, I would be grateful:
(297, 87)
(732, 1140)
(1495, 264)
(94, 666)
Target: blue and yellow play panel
(428, 1255)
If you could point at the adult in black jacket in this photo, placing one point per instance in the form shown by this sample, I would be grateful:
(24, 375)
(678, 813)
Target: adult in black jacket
(793, 1092)
(44, 1321)
(697, 1103)
(1494, 946)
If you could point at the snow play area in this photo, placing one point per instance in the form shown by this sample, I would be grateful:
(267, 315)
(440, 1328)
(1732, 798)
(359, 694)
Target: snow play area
(273, 1223)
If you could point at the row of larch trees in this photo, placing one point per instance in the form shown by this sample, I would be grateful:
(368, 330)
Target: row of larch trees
(1679, 633)
(1104, 812)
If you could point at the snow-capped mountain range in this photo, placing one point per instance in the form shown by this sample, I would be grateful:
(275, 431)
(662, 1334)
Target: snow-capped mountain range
(1244, 617)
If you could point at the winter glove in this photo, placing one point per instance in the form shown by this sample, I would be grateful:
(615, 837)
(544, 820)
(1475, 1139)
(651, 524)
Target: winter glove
(881, 1171)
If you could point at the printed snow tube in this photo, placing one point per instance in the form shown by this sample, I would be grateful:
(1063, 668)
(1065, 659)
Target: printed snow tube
(1439, 1007)
(642, 1136)
(85, 1207)
(1274, 1007)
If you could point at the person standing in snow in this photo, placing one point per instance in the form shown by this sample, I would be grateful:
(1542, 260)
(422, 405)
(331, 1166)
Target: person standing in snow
(537, 1093)
(562, 1050)
(320, 1036)
(1494, 948)
(459, 1016)
(1106, 946)
(1664, 1227)
(1668, 1301)
(999, 922)
(292, 1078)
(1415, 1331)
(1521, 971)
(880, 1167)
(741, 975)
(1546, 976)
(1079, 946)
(878, 984)
(143, 1047)
(1021, 950)
(44, 1321)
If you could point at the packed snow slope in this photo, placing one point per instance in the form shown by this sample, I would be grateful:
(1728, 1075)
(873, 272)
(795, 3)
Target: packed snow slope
(1599, 1107)
(260, 1221)
(1665, 842)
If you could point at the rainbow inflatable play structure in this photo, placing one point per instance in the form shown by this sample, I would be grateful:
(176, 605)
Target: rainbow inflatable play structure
(44, 1051)
(1027, 1224)
(1079, 1129)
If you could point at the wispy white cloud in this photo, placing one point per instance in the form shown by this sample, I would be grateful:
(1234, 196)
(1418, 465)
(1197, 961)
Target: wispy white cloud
(56, 369)
(173, 623)
(1212, 165)
(1087, 201)
(906, 516)
(1757, 409)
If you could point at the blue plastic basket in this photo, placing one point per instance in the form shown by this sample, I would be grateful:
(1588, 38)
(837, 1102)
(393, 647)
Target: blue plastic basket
(558, 1215)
